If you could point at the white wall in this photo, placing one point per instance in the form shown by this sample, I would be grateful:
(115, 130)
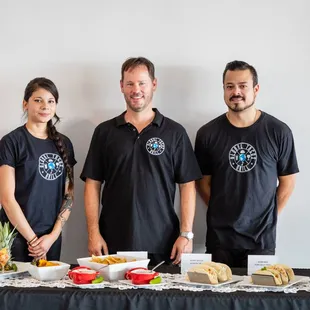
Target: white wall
(81, 45)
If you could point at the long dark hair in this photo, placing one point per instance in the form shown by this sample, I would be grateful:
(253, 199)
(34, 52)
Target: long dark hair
(52, 133)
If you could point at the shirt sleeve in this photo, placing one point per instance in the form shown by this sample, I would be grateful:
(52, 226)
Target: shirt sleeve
(287, 161)
(185, 164)
(202, 153)
(94, 163)
(8, 152)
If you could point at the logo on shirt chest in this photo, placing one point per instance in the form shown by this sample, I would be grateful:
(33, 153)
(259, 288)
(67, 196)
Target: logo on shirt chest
(51, 166)
(155, 146)
(242, 157)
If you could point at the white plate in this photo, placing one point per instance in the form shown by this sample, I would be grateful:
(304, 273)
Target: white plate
(247, 281)
(114, 272)
(187, 282)
(21, 268)
(128, 282)
(96, 285)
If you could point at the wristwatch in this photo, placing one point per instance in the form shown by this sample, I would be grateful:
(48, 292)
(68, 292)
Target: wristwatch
(187, 234)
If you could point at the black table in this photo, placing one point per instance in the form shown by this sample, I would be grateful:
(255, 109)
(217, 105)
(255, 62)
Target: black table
(12, 298)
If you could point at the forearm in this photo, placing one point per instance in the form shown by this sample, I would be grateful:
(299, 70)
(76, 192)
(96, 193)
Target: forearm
(284, 190)
(204, 193)
(188, 204)
(17, 218)
(204, 188)
(63, 215)
(283, 195)
(92, 203)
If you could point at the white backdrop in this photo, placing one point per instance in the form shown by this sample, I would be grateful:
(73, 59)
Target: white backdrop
(81, 45)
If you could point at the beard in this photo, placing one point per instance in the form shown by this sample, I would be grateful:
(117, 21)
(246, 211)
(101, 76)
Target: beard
(236, 108)
(138, 107)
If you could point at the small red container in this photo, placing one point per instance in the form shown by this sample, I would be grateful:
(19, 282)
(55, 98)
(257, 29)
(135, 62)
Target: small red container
(141, 275)
(82, 275)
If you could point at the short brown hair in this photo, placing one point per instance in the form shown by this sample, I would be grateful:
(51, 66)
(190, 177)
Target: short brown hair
(134, 62)
(237, 65)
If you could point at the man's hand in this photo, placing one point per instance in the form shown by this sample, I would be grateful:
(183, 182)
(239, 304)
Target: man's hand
(40, 247)
(182, 245)
(96, 245)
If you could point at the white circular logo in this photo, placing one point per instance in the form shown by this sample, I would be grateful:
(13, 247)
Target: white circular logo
(155, 146)
(51, 166)
(242, 157)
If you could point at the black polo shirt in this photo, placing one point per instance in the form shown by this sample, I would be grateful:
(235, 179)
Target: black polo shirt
(140, 171)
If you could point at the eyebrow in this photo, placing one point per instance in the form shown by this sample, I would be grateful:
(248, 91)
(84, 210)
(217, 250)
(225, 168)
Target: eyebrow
(230, 83)
(39, 97)
(138, 81)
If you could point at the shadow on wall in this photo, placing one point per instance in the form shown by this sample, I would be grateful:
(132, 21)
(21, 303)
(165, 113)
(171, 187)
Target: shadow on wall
(86, 99)
(181, 94)
(90, 94)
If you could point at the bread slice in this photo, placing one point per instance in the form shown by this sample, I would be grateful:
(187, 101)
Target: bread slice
(211, 272)
(289, 271)
(270, 273)
(220, 270)
(283, 273)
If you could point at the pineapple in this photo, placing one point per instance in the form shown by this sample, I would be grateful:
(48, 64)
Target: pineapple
(6, 240)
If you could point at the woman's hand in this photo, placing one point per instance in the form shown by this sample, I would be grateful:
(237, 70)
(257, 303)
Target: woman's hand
(41, 246)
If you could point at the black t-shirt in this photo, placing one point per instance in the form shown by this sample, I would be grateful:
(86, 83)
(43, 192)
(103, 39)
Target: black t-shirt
(244, 164)
(140, 172)
(39, 176)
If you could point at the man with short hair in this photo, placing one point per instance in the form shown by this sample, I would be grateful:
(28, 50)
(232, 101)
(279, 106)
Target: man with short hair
(140, 155)
(243, 155)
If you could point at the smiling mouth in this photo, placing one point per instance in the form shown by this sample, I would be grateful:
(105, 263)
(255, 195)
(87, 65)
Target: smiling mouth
(236, 99)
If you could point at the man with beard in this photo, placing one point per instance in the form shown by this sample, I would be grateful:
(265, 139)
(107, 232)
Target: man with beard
(140, 155)
(248, 162)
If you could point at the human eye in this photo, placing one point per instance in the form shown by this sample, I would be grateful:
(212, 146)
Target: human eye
(142, 83)
(51, 101)
(129, 84)
(229, 87)
(37, 100)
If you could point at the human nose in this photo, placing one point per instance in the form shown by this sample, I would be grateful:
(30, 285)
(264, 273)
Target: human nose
(44, 105)
(136, 88)
(236, 90)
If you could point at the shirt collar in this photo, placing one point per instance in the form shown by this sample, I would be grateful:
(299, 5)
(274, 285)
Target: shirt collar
(158, 119)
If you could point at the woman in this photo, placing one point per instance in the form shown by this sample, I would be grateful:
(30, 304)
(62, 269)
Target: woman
(36, 176)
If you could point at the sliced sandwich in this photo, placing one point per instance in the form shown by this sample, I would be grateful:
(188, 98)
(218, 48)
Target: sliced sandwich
(289, 271)
(194, 272)
(267, 273)
(223, 271)
(282, 271)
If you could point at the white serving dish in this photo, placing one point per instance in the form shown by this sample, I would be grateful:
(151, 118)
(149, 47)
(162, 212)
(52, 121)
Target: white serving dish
(114, 272)
(21, 268)
(50, 273)
(247, 281)
(188, 282)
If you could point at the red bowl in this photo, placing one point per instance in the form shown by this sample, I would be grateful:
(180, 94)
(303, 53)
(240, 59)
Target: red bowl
(128, 273)
(140, 276)
(82, 275)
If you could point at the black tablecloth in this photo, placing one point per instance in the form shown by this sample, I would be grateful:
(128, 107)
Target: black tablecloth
(12, 298)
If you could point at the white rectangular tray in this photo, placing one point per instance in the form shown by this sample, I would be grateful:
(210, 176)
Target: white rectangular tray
(187, 282)
(247, 281)
(21, 268)
(128, 282)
